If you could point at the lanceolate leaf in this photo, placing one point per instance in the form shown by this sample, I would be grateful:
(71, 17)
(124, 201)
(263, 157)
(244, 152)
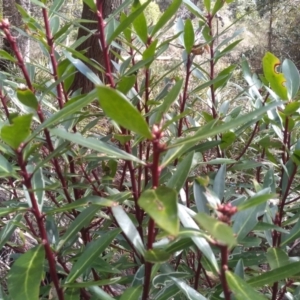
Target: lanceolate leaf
(268, 278)
(25, 275)
(94, 144)
(240, 289)
(81, 220)
(92, 251)
(27, 98)
(119, 109)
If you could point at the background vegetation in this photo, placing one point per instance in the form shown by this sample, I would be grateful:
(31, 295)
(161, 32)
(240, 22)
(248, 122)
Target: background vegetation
(141, 155)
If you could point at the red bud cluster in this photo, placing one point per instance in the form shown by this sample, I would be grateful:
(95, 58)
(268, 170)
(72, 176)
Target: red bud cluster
(226, 211)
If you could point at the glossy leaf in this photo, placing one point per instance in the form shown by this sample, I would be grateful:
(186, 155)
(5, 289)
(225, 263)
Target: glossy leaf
(28, 98)
(219, 182)
(202, 203)
(240, 289)
(204, 133)
(128, 228)
(92, 251)
(189, 292)
(179, 177)
(217, 229)
(17, 132)
(119, 109)
(281, 273)
(186, 219)
(293, 235)
(94, 144)
(161, 205)
(277, 258)
(8, 229)
(25, 275)
(81, 220)
(38, 183)
(292, 77)
(132, 293)
(169, 100)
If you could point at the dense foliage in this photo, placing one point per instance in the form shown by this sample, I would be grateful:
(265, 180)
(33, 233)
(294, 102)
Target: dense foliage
(169, 180)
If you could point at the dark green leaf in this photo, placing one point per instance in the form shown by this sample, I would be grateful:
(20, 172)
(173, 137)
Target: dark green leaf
(92, 251)
(161, 205)
(118, 108)
(132, 293)
(240, 289)
(81, 220)
(156, 256)
(140, 23)
(277, 258)
(25, 275)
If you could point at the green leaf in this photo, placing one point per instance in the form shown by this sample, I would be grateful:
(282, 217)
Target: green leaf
(140, 23)
(281, 273)
(128, 228)
(277, 258)
(86, 284)
(119, 109)
(38, 184)
(291, 108)
(126, 83)
(161, 205)
(187, 221)
(168, 101)
(91, 252)
(227, 139)
(219, 230)
(244, 222)
(5, 166)
(17, 132)
(240, 289)
(219, 182)
(27, 97)
(189, 292)
(167, 15)
(277, 80)
(81, 220)
(293, 235)
(69, 109)
(132, 293)
(94, 144)
(292, 77)
(179, 177)
(218, 5)
(149, 53)
(156, 256)
(188, 36)
(224, 76)
(261, 197)
(204, 133)
(10, 227)
(200, 198)
(91, 4)
(25, 275)
(65, 67)
(127, 22)
(207, 5)
(7, 56)
(82, 68)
